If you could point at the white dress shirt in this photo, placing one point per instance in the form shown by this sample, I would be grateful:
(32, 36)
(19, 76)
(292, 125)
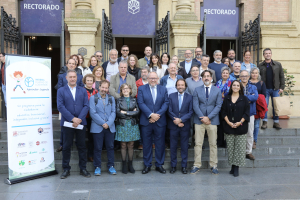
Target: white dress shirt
(73, 91)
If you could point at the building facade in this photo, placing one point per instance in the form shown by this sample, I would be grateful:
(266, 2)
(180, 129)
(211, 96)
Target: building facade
(134, 23)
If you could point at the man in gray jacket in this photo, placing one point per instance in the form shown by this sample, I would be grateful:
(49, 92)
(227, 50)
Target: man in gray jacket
(272, 75)
(119, 79)
(206, 108)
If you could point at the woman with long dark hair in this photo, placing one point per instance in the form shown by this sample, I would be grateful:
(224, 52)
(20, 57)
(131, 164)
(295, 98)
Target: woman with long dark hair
(155, 66)
(236, 115)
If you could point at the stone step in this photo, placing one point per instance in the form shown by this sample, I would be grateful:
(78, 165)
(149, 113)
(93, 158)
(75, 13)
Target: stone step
(274, 150)
(265, 132)
(278, 140)
(259, 162)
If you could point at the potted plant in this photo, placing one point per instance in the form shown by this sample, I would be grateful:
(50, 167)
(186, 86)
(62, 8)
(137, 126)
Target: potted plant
(289, 84)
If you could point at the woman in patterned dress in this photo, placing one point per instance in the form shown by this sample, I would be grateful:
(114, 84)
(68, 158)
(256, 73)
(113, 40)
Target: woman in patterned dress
(127, 130)
(236, 114)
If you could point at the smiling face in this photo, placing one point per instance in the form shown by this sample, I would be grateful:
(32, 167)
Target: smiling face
(218, 57)
(122, 68)
(254, 74)
(125, 52)
(206, 79)
(103, 88)
(231, 55)
(172, 69)
(225, 74)
(89, 82)
(180, 86)
(268, 55)
(148, 51)
(126, 91)
(188, 55)
(237, 67)
(71, 78)
(94, 61)
(99, 56)
(154, 60)
(175, 60)
(152, 79)
(132, 61)
(71, 64)
(236, 86)
(244, 76)
(165, 59)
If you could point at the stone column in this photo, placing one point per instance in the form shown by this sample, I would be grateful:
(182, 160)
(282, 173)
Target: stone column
(82, 26)
(185, 28)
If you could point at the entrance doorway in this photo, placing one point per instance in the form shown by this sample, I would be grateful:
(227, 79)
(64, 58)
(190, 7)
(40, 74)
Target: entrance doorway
(136, 45)
(46, 46)
(222, 45)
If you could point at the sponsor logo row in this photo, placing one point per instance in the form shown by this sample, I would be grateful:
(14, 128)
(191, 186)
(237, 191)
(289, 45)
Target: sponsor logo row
(31, 144)
(40, 131)
(30, 162)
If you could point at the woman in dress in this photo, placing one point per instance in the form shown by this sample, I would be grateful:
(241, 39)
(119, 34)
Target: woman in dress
(98, 72)
(133, 66)
(236, 116)
(85, 70)
(127, 129)
(155, 66)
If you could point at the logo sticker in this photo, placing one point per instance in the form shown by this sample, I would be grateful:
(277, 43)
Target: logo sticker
(133, 6)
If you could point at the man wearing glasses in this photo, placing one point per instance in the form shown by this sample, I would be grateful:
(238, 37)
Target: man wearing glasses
(99, 57)
(188, 63)
(198, 55)
(124, 52)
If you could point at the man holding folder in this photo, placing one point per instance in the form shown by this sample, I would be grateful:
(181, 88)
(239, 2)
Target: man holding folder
(72, 102)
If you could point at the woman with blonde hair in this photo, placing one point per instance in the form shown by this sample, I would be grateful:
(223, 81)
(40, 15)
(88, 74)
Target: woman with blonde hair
(93, 62)
(85, 70)
(133, 66)
(98, 72)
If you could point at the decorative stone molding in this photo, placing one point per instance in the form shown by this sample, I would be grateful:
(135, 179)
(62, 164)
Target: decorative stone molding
(82, 9)
(184, 11)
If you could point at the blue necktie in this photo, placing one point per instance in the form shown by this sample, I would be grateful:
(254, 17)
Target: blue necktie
(153, 94)
(207, 96)
(180, 101)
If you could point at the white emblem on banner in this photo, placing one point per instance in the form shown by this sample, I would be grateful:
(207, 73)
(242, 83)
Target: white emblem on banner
(133, 6)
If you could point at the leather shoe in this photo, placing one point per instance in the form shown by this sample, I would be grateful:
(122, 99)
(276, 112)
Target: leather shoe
(146, 170)
(184, 170)
(65, 174)
(59, 149)
(85, 173)
(173, 170)
(160, 169)
(90, 159)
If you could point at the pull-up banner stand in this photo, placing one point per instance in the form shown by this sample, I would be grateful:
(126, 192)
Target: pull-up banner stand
(29, 118)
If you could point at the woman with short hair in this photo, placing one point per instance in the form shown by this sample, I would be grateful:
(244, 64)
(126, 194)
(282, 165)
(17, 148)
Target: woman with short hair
(98, 72)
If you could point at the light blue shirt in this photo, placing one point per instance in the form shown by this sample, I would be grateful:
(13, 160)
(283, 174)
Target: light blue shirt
(122, 58)
(188, 66)
(73, 91)
(171, 85)
(122, 82)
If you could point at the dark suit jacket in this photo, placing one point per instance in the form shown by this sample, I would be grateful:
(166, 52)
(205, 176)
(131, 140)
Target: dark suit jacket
(147, 105)
(182, 64)
(185, 113)
(70, 108)
(62, 81)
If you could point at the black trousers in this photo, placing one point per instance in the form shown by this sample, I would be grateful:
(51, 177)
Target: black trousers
(90, 146)
(67, 144)
(221, 139)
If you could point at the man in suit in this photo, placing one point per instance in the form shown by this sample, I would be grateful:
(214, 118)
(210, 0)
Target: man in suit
(204, 66)
(124, 52)
(72, 102)
(62, 81)
(180, 113)
(119, 79)
(207, 102)
(153, 103)
(103, 114)
(188, 63)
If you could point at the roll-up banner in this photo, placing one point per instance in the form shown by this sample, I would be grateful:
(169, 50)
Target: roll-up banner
(29, 118)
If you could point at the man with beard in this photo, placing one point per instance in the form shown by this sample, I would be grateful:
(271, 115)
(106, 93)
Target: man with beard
(146, 60)
(206, 108)
(99, 57)
(188, 63)
(124, 52)
(217, 64)
(204, 66)
(111, 67)
(198, 55)
(231, 56)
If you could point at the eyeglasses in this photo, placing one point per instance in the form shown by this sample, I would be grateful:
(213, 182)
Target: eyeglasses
(99, 56)
(153, 78)
(125, 50)
(243, 76)
(195, 70)
(188, 53)
(198, 51)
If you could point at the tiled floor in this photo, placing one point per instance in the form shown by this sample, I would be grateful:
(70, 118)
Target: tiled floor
(253, 183)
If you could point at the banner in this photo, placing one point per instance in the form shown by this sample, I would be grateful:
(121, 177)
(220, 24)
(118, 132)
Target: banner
(222, 18)
(133, 17)
(41, 16)
(29, 117)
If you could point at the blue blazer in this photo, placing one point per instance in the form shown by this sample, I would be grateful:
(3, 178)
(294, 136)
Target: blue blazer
(70, 108)
(164, 79)
(185, 113)
(147, 105)
(101, 115)
(62, 81)
(212, 105)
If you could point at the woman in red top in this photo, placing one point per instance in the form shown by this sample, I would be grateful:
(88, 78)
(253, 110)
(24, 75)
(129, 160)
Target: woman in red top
(88, 80)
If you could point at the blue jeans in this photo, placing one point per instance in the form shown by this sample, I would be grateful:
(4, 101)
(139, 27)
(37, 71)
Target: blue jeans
(271, 93)
(256, 129)
(4, 92)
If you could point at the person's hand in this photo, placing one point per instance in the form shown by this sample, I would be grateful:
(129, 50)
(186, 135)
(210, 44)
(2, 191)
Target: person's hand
(176, 120)
(123, 112)
(76, 120)
(134, 109)
(151, 120)
(181, 125)
(204, 119)
(280, 91)
(231, 124)
(75, 125)
(155, 116)
(105, 126)
(237, 124)
(208, 123)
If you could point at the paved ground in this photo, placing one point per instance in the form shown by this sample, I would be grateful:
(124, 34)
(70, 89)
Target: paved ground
(253, 183)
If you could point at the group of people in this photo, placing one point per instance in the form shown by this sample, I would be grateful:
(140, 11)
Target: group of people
(158, 100)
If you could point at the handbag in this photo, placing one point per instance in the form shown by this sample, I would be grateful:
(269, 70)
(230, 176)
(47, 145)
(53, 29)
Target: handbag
(282, 105)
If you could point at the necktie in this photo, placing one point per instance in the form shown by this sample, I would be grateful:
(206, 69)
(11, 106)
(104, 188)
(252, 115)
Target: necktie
(206, 88)
(180, 101)
(153, 94)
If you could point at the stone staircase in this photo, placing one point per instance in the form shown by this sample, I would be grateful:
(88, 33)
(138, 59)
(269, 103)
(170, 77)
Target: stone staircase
(274, 149)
